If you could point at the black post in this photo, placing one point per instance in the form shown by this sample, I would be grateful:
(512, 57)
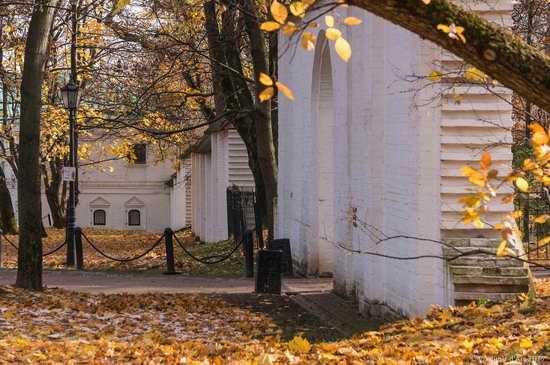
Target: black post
(71, 211)
(78, 248)
(229, 196)
(237, 215)
(169, 242)
(249, 253)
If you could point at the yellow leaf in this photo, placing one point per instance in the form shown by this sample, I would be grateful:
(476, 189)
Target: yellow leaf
(333, 34)
(478, 223)
(544, 241)
(329, 20)
(467, 170)
(477, 178)
(517, 214)
(289, 28)
(285, 90)
(501, 249)
(265, 79)
(508, 198)
(269, 26)
(350, 20)
(298, 8)
(525, 343)
(474, 74)
(435, 76)
(267, 94)
(8, 315)
(343, 49)
(299, 344)
(443, 28)
(541, 219)
(540, 138)
(468, 345)
(279, 12)
(119, 5)
(485, 161)
(522, 184)
(308, 41)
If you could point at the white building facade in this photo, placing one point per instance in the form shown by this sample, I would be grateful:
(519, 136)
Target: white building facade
(218, 161)
(133, 196)
(121, 195)
(363, 159)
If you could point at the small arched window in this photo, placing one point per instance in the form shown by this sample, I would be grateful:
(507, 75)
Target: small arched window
(100, 217)
(134, 217)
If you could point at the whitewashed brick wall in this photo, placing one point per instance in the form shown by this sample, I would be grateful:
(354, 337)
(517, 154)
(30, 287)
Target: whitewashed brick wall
(212, 173)
(357, 137)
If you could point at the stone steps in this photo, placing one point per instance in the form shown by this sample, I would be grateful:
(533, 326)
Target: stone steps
(483, 275)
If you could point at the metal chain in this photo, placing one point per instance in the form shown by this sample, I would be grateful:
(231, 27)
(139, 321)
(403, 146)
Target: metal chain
(10, 242)
(43, 255)
(121, 260)
(205, 260)
(57, 249)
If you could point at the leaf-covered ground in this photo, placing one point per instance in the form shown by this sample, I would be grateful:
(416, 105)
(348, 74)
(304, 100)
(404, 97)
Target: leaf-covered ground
(129, 244)
(63, 327)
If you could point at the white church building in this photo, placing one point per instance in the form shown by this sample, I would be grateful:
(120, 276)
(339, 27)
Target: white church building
(362, 158)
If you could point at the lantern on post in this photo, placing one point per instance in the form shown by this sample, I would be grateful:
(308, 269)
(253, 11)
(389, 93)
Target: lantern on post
(70, 94)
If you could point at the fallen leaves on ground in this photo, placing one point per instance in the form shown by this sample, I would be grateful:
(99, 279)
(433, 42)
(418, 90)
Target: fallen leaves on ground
(129, 244)
(61, 327)
(543, 286)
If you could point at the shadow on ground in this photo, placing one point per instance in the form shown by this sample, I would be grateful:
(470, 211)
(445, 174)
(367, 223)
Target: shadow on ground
(290, 317)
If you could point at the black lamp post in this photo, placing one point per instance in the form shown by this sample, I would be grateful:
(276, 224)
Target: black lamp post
(71, 99)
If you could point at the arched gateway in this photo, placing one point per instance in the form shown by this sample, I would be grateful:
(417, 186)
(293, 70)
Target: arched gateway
(364, 155)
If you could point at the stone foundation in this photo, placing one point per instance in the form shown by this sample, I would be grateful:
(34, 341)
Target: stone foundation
(484, 276)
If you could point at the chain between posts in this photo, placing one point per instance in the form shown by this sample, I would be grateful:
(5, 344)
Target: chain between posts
(206, 260)
(43, 255)
(122, 260)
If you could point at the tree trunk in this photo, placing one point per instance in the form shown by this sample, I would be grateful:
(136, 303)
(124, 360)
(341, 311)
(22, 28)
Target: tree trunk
(55, 194)
(498, 53)
(261, 114)
(7, 216)
(29, 261)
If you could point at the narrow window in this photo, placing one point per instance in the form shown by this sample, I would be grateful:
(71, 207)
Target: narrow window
(100, 217)
(134, 218)
(140, 154)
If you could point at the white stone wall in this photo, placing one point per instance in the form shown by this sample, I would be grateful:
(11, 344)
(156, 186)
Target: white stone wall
(212, 173)
(357, 138)
(180, 197)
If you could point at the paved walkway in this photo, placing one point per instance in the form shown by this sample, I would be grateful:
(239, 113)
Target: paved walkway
(131, 282)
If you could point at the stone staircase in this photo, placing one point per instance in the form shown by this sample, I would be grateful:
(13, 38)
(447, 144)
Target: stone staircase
(484, 276)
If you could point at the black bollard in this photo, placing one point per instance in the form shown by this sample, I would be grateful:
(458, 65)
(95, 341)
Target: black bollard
(78, 248)
(269, 272)
(249, 253)
(283, 244)
(169, 242)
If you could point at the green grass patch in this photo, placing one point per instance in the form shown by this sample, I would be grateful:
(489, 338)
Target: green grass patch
(233, 267)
